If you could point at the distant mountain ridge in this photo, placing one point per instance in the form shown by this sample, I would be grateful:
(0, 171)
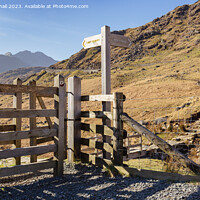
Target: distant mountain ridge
(25, 58)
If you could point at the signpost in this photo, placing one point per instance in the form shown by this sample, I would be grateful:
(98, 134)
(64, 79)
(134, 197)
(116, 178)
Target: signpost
(92, 41)
(115, 40)
(119, 41)
(105, 40)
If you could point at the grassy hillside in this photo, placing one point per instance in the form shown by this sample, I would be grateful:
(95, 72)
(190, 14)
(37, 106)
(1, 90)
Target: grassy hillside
(168, 35)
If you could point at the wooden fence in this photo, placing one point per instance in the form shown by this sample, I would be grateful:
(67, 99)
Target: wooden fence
(13, 134)
(110, 142)
(116, 133)
(133, 150)
(116, 148)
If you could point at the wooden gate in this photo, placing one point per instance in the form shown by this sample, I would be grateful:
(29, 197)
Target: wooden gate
(55, 131)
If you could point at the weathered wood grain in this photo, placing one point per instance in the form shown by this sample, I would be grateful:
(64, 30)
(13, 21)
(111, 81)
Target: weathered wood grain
(17, 104)
(32, 120)
(27, 113)
(74, 115)
(39, 90)
(8, 153)
(19, 135)
(22, 169)
(106, 79)
(59, 122)
(117, 129)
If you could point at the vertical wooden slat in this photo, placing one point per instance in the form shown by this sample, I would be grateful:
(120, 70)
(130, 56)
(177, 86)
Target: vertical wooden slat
(106, 77)
(127, 142)
(32, 105)
(17, 103)
(60, 106)
(141, 144)
(74, 114)
(118, 129)
(65, 124)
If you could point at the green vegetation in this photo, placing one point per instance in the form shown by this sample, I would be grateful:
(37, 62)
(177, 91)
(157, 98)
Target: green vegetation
(158, 165)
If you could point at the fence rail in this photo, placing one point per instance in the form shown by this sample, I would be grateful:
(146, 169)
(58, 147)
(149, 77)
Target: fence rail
(22, 169)
(38, 90)
(12, 134)
(27, 113)
(19, 135)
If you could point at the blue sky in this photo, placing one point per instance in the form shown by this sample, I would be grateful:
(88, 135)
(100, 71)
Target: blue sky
(59, 32)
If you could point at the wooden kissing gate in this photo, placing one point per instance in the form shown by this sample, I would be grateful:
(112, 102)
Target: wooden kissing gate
(116, 133)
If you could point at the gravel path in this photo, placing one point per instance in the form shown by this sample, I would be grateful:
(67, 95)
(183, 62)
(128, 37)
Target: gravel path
(89, 182)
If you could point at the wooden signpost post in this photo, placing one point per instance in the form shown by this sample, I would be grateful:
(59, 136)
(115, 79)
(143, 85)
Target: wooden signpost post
(105, 40)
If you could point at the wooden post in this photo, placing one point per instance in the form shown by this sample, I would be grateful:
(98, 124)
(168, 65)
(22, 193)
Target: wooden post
(17, 103)
(118, 129)
(106, 78)
(105, 59)
(60, 106)
(105, 39)
(141, 144)
(32, 105)
(127, 145)
(74, 115)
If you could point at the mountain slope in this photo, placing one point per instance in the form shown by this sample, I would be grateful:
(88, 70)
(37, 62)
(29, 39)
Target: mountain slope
(22, 73)
(177, 30)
